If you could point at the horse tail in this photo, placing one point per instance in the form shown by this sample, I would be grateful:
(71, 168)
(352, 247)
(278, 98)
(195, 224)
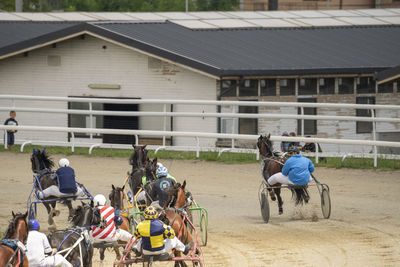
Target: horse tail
(300, 194)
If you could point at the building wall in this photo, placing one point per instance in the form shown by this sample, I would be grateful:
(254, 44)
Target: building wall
(328, 128)
(254, 5)
(83, 61)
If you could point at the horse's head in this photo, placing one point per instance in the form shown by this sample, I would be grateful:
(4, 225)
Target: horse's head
(18, 227)
(151, 168)
(86, 215)
(139, 157)
(265, 146)
(41, 160)
(117, 197)
(179, 198)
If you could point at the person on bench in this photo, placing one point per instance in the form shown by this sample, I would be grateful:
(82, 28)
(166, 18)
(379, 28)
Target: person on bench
(66, 187)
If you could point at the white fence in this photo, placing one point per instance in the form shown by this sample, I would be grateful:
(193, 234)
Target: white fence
(198, 135)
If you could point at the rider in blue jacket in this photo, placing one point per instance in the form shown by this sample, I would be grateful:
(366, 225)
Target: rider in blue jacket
(296, 170)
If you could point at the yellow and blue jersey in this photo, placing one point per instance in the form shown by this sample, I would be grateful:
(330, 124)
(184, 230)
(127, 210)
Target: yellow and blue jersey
(153, 233)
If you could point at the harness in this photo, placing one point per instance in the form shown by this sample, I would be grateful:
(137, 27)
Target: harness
(18, 248)
(43, 173)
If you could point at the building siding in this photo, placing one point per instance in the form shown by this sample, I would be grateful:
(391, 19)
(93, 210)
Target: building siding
(94, 61)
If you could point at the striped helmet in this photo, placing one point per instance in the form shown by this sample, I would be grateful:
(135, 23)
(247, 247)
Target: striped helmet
(162, 172)
(150, 213)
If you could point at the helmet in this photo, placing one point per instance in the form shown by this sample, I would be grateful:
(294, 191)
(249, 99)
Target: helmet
(63, 162)
(294, 149)
(162, 172)
(150, 213)
(99, 200)
(33, 225)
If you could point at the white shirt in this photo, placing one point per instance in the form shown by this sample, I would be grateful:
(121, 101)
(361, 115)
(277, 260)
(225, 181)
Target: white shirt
(37, 245)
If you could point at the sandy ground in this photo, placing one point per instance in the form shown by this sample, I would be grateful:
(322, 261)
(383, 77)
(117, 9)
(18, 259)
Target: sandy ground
(364, 228)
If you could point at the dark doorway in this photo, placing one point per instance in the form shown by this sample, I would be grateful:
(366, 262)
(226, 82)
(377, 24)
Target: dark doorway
(310, 126)
(120, 122)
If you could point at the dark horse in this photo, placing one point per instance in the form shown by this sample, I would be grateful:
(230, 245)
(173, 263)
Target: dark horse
(42, 166)
(138, 161)
(273, 163)
(84, 216)
(17, 230)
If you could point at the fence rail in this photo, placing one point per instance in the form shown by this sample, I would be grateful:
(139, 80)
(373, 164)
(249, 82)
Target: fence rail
(197, 135)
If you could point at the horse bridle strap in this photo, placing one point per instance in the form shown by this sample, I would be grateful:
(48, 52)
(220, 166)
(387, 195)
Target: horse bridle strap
(274, 160)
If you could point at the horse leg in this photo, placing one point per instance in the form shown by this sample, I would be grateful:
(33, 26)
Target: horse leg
(102, 250)
(70, 209)
(55, 212)
(117, 253)
(179, 263)
(50, 220)
(280, 202)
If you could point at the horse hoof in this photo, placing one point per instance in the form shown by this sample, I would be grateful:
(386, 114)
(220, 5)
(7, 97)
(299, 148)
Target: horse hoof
(56, 213)
(273, 197)
(280, 211)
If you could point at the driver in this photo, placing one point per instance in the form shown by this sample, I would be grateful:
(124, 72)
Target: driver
(296, 170)
(159, 190)
(65, 176)
(109, 233)
(38, 246)
(155, 236)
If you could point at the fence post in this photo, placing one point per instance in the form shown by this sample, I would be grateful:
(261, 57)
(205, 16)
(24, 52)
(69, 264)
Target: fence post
(91, 119)
(164, 124)
(374, 138)
(302, 121)
(316, 153)
(233, 127)
(197, 147)
(5, 139)
(72, 142)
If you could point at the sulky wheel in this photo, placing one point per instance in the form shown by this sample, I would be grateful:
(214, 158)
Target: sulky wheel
(325, 203)
(264, 206)
(203, 229)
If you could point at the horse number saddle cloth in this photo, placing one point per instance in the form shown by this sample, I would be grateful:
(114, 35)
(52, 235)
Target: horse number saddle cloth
(15, 244)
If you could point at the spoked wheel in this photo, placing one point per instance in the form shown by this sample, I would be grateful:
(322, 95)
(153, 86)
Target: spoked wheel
(203, 229)
(325, 203)
(264, 206)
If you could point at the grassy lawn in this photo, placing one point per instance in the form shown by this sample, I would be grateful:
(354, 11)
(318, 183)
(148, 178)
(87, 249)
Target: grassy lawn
(357, 163)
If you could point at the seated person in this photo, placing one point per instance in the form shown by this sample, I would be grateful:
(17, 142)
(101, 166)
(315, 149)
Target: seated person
(109, 233)
(309, 147)
(296, 144)
(65, 176)
(285, 145)
(159, 190)
(296, 170)
(155, 236)
(38, 246)
(159, 164)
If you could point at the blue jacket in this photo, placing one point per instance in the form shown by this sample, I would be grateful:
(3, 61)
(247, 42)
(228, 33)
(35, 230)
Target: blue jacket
(66, 180)
(298, 168)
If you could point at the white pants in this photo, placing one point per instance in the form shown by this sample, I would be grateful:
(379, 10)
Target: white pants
(169, 244)
(141, 196)
(55, 191)
(53, 261)
(279, 178)
(120, 235)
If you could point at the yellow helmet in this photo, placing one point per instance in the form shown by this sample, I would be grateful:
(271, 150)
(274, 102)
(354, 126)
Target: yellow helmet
(150, 213)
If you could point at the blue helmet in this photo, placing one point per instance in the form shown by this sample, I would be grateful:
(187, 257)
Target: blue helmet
(33, 225)
(162, 172)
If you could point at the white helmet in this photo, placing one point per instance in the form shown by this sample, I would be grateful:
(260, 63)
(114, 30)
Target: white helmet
(159, 164)
(99, 200)
(63, 162)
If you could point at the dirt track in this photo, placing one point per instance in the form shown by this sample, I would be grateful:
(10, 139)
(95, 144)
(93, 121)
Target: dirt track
(364, 228)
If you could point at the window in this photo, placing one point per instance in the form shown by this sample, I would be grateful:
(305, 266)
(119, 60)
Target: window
(385, 88)
(346, 85)
(228, 88)
(268, 87)
(398, 85)
(310, 126)
(287, 86)
(365, 85)
(248, 88)
(248, 126)
(307, 86)
(364, 126)
(326, 86)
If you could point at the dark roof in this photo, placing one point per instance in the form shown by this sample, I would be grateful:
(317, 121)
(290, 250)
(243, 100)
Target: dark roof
(247, 52)
(388, 75)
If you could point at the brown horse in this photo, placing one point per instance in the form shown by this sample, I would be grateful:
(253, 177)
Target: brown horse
(272, 164)
(139, 162)
(17, 229)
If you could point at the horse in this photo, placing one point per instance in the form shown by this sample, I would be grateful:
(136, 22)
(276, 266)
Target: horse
(17, 230)
(138, 160)
(85, 215)
(149, 171)
(117, 197)
(41, 167)
(273, 163)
